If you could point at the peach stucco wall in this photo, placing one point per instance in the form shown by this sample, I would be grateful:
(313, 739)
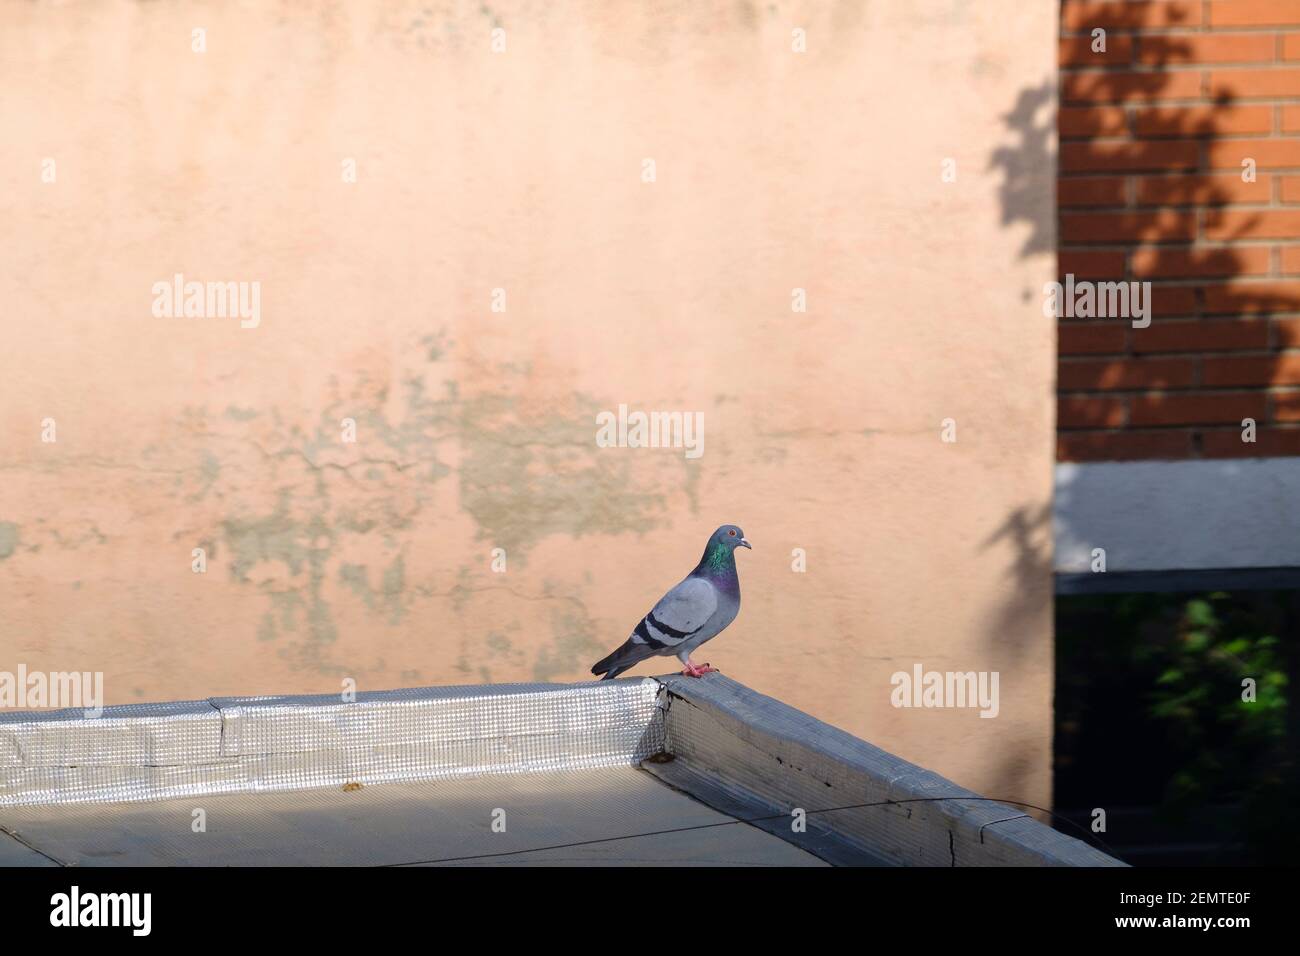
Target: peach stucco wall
(523, 170)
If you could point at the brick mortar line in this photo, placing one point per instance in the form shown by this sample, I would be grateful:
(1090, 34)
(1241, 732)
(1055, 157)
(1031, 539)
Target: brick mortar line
(1087, 245)
(1139, 430)
(1184, 247)
(1241, 282)
(1117, 245)
(1071, 358)
(1186, 426)
(1244, 391)
(1128, 245)
(1177, 349)
(1183, 392)
(1137, 66)
(1164, 69)
(1115, 139)
(1112, 209)
(1173, 173)
(1210, 318)
(1175, 103)
(1193, 391)
(1119, 169)
(1137, 99)
(1292, 351)
(1128, 352)
(1209, 31)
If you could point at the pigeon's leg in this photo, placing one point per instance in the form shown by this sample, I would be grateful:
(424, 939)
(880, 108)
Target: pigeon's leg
(697, 670)
(693, 669)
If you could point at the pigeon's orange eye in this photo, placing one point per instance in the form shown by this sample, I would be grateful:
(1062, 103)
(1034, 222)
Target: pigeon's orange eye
(732, 533)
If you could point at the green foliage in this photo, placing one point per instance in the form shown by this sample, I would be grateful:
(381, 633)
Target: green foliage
(1152, 706)
(1231, 746)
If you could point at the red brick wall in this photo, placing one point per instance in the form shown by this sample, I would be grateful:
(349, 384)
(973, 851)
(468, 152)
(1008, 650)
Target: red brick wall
(1153, 133)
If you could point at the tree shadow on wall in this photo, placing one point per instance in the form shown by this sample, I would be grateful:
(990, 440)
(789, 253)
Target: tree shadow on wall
(1146, 192)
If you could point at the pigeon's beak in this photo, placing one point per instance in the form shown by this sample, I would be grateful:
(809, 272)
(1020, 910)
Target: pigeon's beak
(744, 543)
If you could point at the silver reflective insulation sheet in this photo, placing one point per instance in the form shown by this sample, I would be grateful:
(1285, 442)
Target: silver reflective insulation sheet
(242, 744)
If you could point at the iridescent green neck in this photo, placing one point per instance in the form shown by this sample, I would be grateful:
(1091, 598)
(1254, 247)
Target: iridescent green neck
(720, 558)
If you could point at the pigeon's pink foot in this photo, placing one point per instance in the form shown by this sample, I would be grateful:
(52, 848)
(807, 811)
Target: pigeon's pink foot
(697, 670)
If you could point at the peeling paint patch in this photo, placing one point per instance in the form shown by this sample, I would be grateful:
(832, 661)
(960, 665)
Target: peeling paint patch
(340, 523)
(209, 472)
(273, 537)
(298, 545)
(355, 577)
(394, 583)
(390, 592)
(523, 479)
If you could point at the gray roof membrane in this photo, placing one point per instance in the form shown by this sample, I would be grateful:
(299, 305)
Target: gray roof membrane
(667, 771)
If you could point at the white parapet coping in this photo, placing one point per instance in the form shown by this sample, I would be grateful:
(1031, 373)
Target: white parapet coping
(862, 804)
(745, 754)
(1177, 515)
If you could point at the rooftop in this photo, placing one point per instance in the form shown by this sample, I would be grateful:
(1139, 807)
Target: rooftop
(672, 770)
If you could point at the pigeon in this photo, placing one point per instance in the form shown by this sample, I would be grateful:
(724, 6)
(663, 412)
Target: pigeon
(691, 613)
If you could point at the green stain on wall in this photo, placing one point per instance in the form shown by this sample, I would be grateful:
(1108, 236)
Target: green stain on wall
(355, 577)
(280, 537)
(209, 472)
(288, 603)
(276, 537)
(525, 479)
(389, 595)
(526, 471)
(393, 584)
(573, 648)
(8, 538)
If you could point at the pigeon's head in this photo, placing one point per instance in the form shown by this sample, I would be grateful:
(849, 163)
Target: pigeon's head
(731, 537)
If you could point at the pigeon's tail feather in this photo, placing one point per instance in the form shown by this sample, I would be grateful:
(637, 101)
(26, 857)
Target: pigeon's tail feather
(627, 656)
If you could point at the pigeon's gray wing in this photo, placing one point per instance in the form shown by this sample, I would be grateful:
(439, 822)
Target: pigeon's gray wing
(679, 614)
